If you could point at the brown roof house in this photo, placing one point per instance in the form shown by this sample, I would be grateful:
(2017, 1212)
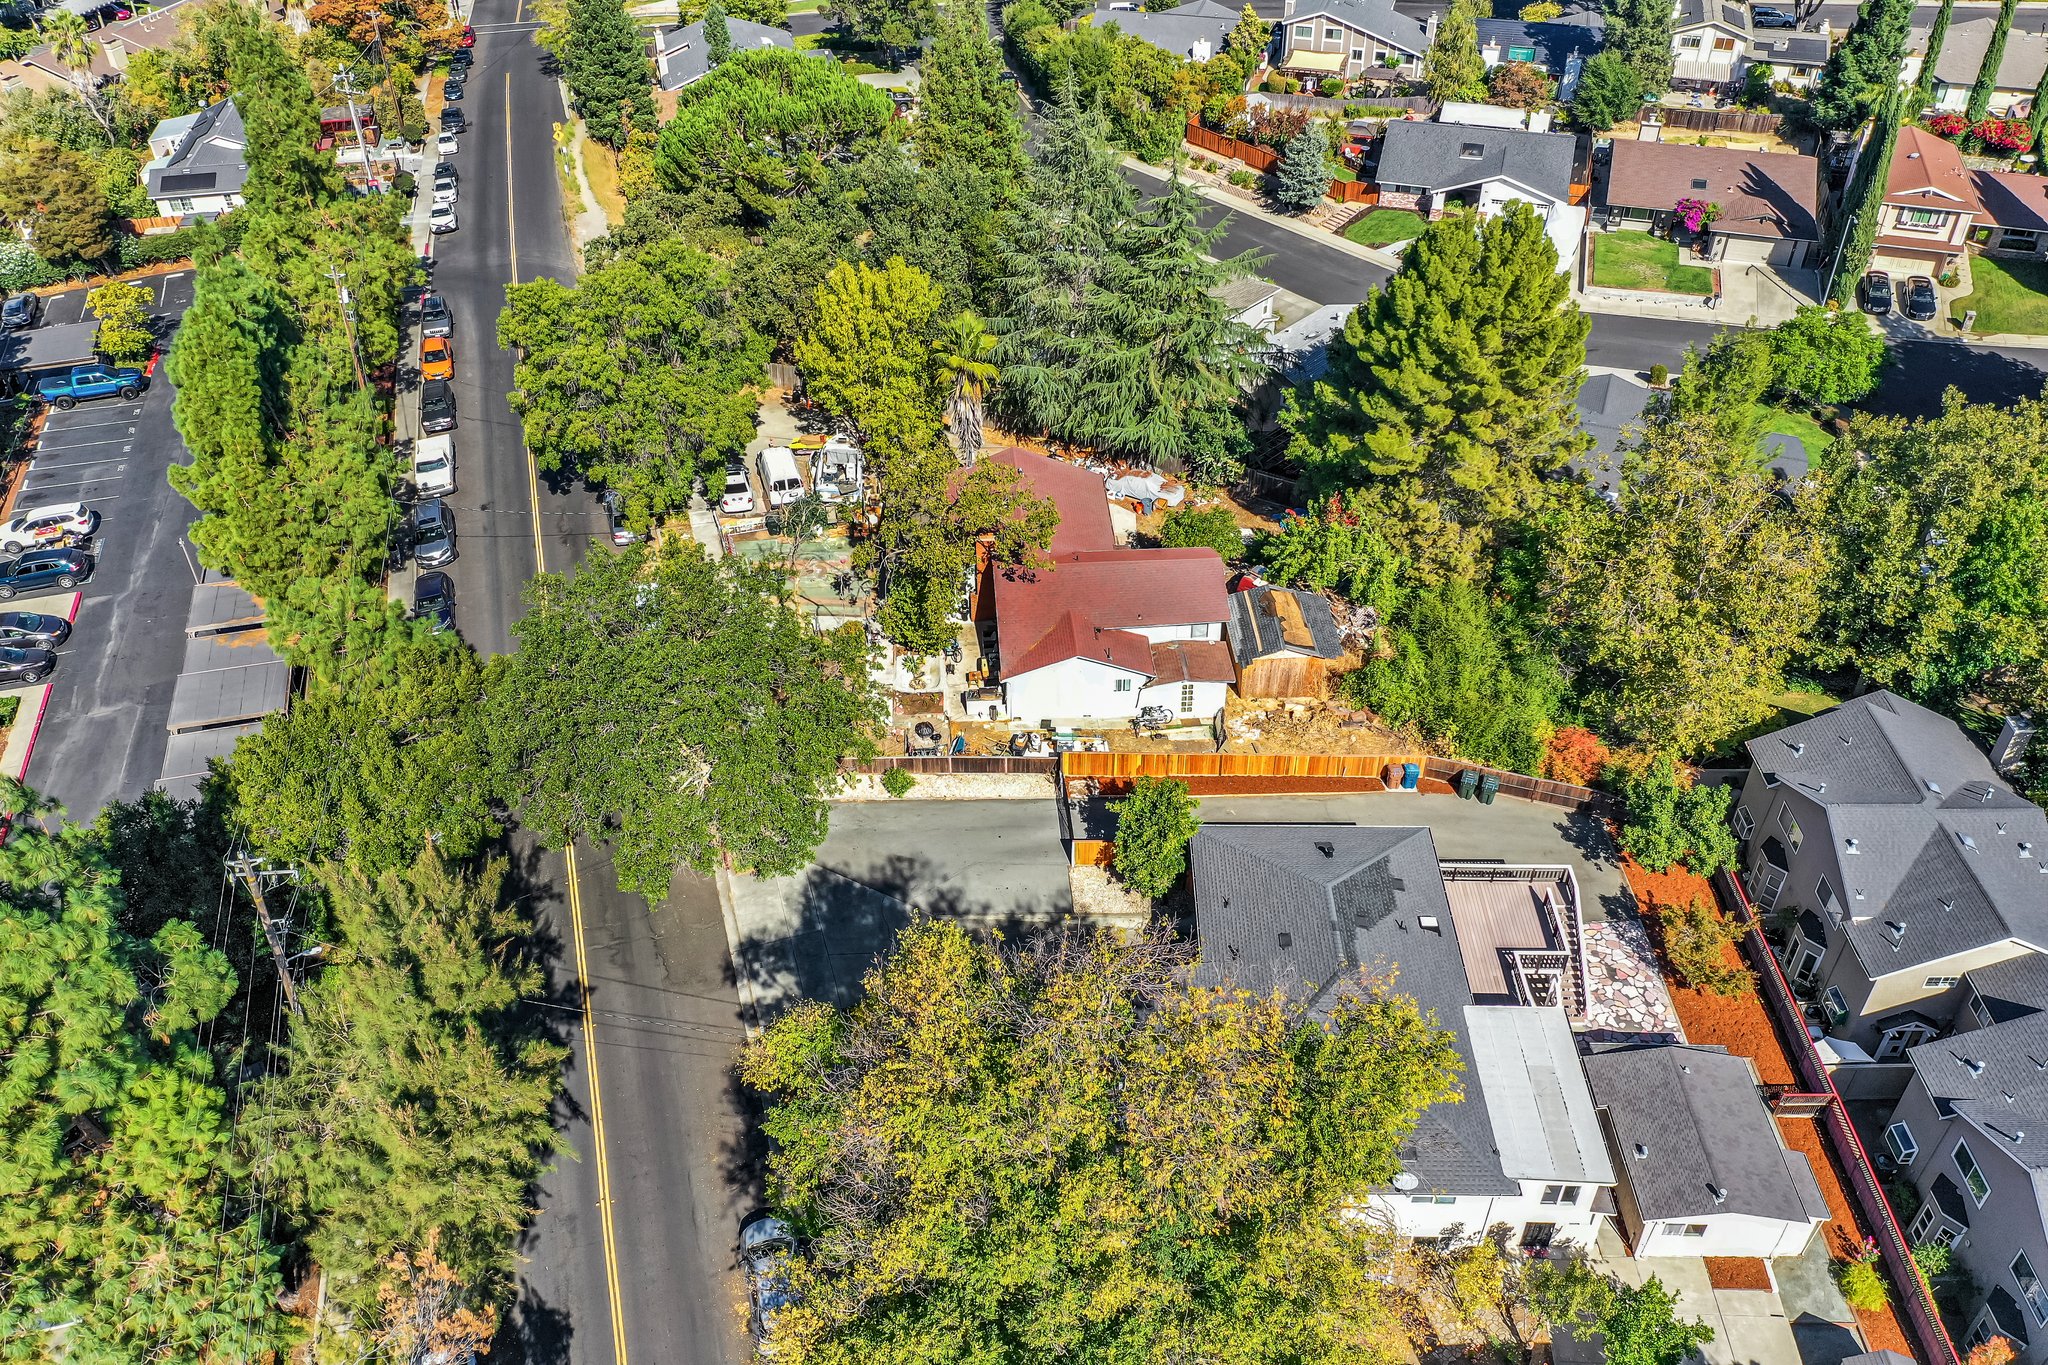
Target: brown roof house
(1769, 203)
(1930, 204)
(2015, 217)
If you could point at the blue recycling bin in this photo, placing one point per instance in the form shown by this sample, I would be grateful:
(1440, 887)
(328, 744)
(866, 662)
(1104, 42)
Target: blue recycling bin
(1411, 776)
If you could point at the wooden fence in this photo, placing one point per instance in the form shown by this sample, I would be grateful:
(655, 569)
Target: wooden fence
(1216, 774)
(1916, 1301)
(1354, 192)
(1528, 788)
(1711, 120)
(1261, 159)
(965, 764)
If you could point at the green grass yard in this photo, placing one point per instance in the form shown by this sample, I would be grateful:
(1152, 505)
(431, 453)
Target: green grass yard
(1383, 227)
(1794, 704)
(1636, 260)
(1797, 425)
(2009, 296)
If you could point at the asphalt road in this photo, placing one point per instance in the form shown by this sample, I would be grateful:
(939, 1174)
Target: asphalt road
(1838, 14)
(103, 735)
(632, 1254)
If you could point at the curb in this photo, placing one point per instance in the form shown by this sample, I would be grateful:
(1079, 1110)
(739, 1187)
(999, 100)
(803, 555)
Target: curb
(750, 1005)
(35, 732)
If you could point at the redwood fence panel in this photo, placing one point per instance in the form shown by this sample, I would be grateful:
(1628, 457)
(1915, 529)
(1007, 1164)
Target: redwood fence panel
(1711, 120)
(1527, 787)
(1914, 1299)
(1251, 154)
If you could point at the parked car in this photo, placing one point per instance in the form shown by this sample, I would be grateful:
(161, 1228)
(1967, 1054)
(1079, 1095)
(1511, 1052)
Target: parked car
(779, 477)
(435, 320)
(86, 382)
(452, 121)
(20, 311)
(433, 600)
(1876, 289)
(33, 628)
(41, 525)
(615, 514)
(25, 664)
(1763, 16)
(445, 170)
(446, 144)
(1922, 303)
(437, 358)
(44, 569)
(443, 196)
(468, 38)
(433, 465)
(437, 406)
(442, 219)
(739, 494)
(451, 89)
(766, 1246)
(433, 534)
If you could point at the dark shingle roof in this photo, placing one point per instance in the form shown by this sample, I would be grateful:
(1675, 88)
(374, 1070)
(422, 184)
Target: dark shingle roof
(1947, 858)
(1272, 910)
(1555, 43)
(1441, 156)
(1607, 403)
(1702, 1126)
(1997, 1078)
(1176, 30)
(1255, 631)
(680, 56)
(1377, 17)
(212, 157)
(1692, 13)
(2013, 989)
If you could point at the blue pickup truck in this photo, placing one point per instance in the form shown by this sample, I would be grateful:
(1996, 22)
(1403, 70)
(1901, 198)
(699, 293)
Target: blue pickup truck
(91, 381)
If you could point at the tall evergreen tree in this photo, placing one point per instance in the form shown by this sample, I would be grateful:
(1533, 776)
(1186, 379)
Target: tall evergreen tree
(287, 171)
(606, 62)
(1994, 57)
(1856, 232)
(1450, 392)
(1864, 66)
(1923, 90)
(1452, 69)
(967, 112)
(1639, 32)
(717, 34)
(1305, 168)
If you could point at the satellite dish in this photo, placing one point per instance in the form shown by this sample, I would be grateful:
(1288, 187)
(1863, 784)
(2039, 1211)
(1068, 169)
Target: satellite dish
(1405, 1181)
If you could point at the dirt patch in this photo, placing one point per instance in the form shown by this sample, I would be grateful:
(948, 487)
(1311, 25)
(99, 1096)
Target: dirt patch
(1247, 517)
(1100, 897)
(1738, 1272)
(925, 705)
(1308, 727)
(953, 787)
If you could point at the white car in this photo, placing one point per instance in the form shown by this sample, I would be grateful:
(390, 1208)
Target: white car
(44, 525)
(442, 219)
(444, 198)
(447, 145)
(739, 494)
(433, 465)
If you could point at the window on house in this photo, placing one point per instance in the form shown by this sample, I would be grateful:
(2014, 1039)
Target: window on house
(1922, 218)
(2030, 1288)
(1357, 54)
(1939, 983)
(1200, 632)
(1305, 32)
(1836, 1005)
(1187, 699)
(1809, 961)
(1521, 54)
(1332, 35)
(1382, 57)
(1980, 1188)
(1686, 1229)
(180, 205)
(1745, 823)
(1560, 1194)
(1724, 44)
(1123, 685)
(1824, 892)
(1981, 1010)
(1899, 1138)
(1432, 1198)
(1790, 824)
(1916, 1231)
(1471, 151)
(2019, 239)
(1691, 42)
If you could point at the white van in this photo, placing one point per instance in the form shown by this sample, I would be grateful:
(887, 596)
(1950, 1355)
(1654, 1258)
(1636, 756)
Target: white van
(433, 465)
(779, 477)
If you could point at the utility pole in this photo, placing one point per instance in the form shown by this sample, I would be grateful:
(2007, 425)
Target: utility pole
(251, 872)
(345, 81)
(348, 325)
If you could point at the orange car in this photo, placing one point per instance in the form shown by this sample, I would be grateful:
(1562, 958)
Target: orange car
(437, 359)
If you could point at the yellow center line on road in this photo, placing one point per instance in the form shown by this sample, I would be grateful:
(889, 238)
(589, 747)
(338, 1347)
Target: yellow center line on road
(540, 564)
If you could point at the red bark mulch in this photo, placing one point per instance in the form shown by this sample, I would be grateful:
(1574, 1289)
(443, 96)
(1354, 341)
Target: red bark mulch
(1737, 1272)
(1882, 1331)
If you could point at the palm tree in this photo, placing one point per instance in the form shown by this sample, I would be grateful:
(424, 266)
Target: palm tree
(72, 43)
(966, 370)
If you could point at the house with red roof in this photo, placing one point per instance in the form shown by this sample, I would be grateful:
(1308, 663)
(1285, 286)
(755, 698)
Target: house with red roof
(1099, 632)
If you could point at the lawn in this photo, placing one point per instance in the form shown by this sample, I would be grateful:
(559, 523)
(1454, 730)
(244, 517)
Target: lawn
(1789, 707)
(2009, 296)
(1383, 227)
(1636, 260)
(1798, 426)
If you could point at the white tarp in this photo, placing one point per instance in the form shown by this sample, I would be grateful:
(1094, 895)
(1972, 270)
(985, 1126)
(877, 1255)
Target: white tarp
(1146, 488)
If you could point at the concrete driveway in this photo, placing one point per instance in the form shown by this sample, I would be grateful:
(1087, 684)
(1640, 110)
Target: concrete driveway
(990, 865)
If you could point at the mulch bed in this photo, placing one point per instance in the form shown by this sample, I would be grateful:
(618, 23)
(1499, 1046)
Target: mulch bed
(1741, 1024)
(1738, 1272)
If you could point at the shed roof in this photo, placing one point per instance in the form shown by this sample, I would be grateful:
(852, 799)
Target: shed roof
(1761, 194)
(2014, 988)
(1265, 621)
(1080, 495)
(212, 157)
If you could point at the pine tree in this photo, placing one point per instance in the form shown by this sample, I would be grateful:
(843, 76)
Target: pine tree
(1639, 32)
(1856, 233)
(1452, 69)
(1994, 57)
(1450, 391)
(288, 174)
(1864, 66)
(1305, 169)
(967, 113)
(717, 36)
(608, 70)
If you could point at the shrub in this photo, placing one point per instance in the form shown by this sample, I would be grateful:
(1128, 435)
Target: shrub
(897, 781)
(1214, 527)
(1575, 755)
(1542, 12)
(1863, 1284)
(1154, 826)
(1933, 1258)
(1946, 125)
(1696, 940)
(1670, 822)
(2002, 134)
(1660, 375)
(21, 268)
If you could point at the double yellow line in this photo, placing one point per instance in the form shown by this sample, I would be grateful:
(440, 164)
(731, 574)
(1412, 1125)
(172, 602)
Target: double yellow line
(540, 564)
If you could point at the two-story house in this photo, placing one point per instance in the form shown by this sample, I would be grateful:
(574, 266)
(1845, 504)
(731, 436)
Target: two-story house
(1971, 1133)
(1930, 204)
(199, 163)
(1964, 48)
(1904, 858)
(1467, 159)
(1317, 910)
(1349, 40)
(1710, 43)
(1194, 32)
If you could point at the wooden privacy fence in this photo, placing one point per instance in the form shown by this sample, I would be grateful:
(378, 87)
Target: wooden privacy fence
(1259, 158)
(1711, 120)
(1527, 787)
(1354, 192)
(1219, 774)
(1916, 1301)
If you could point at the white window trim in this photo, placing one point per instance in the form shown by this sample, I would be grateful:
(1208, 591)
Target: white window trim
(1745, 823)
(1962, 1149)
(1838, 1005)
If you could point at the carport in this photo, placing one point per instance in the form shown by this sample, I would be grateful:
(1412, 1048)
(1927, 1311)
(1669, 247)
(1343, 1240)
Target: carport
(229, 681)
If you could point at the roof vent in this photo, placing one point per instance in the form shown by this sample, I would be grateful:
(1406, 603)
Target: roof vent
(1471, 151)
(1895, 931)
(1912, 156)
(1975, 1067)
(1699, 184)
(2026, 849)
(1934, 786)
(2019, 1135)
(1945, 902)
(1642, 1152)
(1849, 846)
(1795, 746)
(1286, 940)
(1963, 838)
(2008, 1096)
(1720, 1194)
(1328, 850)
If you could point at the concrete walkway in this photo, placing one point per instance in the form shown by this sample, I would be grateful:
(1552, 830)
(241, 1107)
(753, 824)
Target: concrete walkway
(1750, 1326)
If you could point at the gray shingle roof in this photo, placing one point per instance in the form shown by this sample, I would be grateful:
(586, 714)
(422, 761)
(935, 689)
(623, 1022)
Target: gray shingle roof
(212, 157)
(1702, 1126)
(680, 56)
(1996, 1077)
(1607, 403)
(1442, 156)
(1255, 631)
(1376, 17)
(1967, 41)
(1272, 910)
(1947, 857)
(2013, 989)
(1780, 48)
(1555, 43)
(1176, 30)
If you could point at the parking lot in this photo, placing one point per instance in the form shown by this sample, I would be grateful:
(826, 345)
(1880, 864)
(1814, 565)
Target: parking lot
(103, 735)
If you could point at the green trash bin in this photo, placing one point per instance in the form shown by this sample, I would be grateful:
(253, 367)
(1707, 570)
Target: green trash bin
(1468, 784)
(1489, 785)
